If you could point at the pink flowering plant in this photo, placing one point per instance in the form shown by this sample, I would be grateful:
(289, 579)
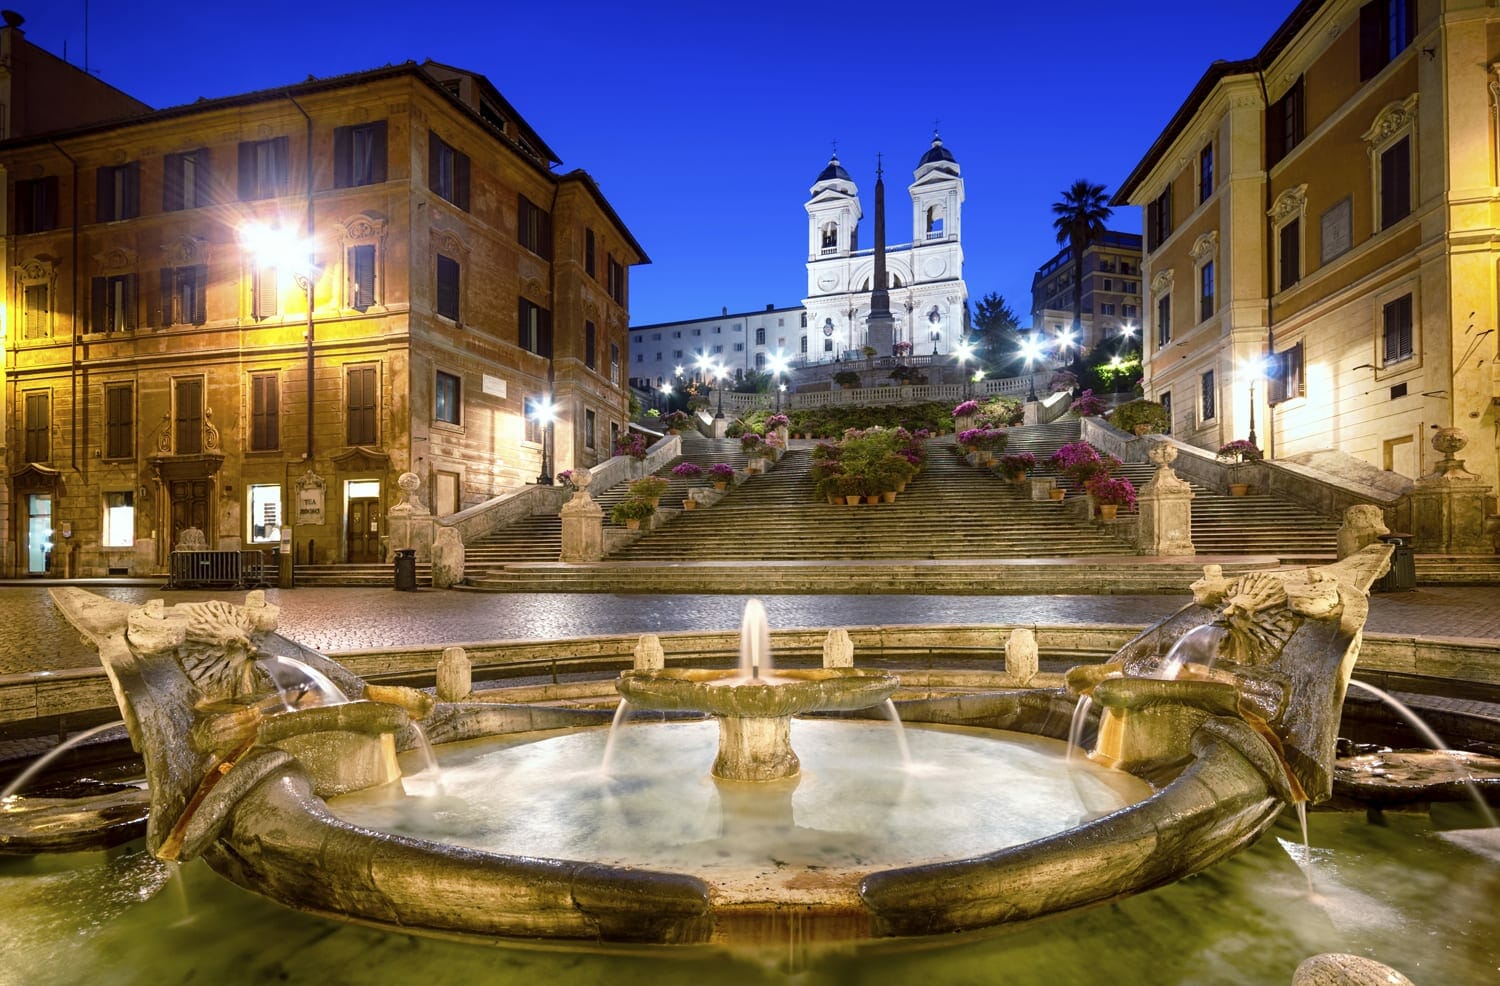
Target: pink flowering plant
(721, 472)
(1079, 461)
(677, 419)
(966, 409)
(1239, 450)
(902, 349)
(984, 439)
(1016, 464)
(565, 477)
(1086, 405)
(1105, 488)
(778, 421)
(688, 470)
(633, 445)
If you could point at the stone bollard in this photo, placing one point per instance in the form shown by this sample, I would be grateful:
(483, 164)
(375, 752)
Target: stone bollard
(447, 559)
(455, 675)
(1343, 969)
(1363, 524)
(1021, 655)
(648, 653)
(838, 649)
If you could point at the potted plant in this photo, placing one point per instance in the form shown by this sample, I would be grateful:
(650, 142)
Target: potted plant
(853, 488)
(631, 511)
(901, 349)
(1086, 405)
(650, 489)
(1111, 493)
(565, 479)
(1237, 453)
(1014, 466)
(1141, 417)
(689, 471)
(847, 379)
(721, 473)
(633, 445)
(676, 421)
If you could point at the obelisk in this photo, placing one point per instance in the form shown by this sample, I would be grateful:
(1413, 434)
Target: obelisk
(880, 328)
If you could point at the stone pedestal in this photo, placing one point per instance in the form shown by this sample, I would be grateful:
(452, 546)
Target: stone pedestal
(1021, 659)
(447, 558)
(582, 524)
(720, 427)
(838, 649)
(1041, 487)
(1363, 524)
(409, 524)
(649, 655)
(1166, 507)
(1448, 507)
(1031, 413)
(455, 675)
(755, 749)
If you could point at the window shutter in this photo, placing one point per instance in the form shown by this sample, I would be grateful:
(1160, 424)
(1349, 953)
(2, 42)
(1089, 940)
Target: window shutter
(130, 208)
(461, 180)
(1276, 132)
(168, 310)
(127, 301)
(1371, 51)
(590, 345)
(522, 305)
(362, 264)
(171, 183)
(264, 303)
(544, 333)
(447, 287)
(281, 154)
(202, 195)
(104, 195)
(378, 150)
(263, 413)
(343, 157)
(247, 170)
(97, 322)
(434, 160)
(200, 294)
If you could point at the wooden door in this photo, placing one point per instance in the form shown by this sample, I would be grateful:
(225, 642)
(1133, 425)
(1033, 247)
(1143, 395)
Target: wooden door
(190, 500)
(364, 531)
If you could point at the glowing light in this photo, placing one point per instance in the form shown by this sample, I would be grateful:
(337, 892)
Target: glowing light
(778, 363)
(665, 388)
(978, 375)
(1032, 350)
(543, 411)
(272, 246)
(964, 352)
(677, 371)
(1128, 330)
(1064, 340)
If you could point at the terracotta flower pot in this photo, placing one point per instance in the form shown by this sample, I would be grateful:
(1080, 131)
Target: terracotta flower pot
(721, 485)
(690, 504)
(1239, 489)
(889, 496)
(1107, 511)
(872, 498)
(633, 524)
(1057, 492)
(1019, 477)
(853, 500)
(655, 501)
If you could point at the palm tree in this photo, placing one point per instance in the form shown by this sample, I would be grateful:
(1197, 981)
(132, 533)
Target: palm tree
(1081, 216)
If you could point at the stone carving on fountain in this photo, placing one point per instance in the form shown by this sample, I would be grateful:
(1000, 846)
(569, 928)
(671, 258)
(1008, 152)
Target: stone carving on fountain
(1228, 708)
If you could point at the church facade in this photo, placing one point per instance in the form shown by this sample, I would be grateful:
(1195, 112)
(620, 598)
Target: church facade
(925, 277)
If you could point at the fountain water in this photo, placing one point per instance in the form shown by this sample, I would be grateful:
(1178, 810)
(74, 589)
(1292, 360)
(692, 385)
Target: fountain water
(1200, 642)
(294, 679)
(18, 785)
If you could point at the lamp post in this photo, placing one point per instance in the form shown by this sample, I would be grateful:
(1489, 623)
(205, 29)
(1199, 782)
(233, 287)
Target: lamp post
(1253, 369)
(666, 396)
(272, 247)
(964, 352)
(544, 412)
(1031, 350)
(779, 364)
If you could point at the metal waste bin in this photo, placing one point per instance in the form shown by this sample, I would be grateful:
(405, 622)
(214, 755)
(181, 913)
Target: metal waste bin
(406, 569)
(1403, 574)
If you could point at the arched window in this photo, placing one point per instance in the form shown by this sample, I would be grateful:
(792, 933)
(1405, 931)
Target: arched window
(830, 237)
(934, 222)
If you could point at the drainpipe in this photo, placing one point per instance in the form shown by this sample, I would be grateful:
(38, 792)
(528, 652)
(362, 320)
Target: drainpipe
(311, 280)
(73, 333)
(1270, 270)
(549, 469)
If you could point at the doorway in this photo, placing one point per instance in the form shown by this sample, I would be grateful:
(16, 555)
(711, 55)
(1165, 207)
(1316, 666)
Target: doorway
(38, 533)
(362, 533)
(190, 499)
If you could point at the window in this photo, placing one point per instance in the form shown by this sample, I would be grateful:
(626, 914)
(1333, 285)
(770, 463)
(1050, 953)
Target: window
(187, 415)
(718, 349)
(1284, 124)
(533, 227)
(265, 513)
(1396, 320)
(1206, 291)
(362, 278)
(532, 425)
(447, 172)
(1284, 381)
(718, 330)
(760, 361)
(36, 204)
(185, 181)
(1206, 394)
(1159, 219)
(934, 222)
(114, 303)
(1386, 27)
(590, 429)
(1106, 309)
(36, 302)
(361, 401)
(697, 332)
(183, 291)
(263, 169)
(1165, 400)
(1108, 284)
(535, 328)
(591, 346)
(1129, 311)
(38, 426)
(265, 412)
(1289, 254)
(119, 189)
(760, 337)
(739, 347)
(804, 320)
(1395, 183)
(119, 520)
(616, 280)
(827, 345)
(830, 238)
(1163, 320)
(265, 292)
(803, 350)
(445, 399)
(447, 287)
(614, 363)
(119, 421)
(1205, 173)
(588, 252)
(359, 156)
(677, 354)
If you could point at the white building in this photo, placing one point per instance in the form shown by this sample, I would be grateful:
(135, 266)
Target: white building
(925, 276)
(926, 287)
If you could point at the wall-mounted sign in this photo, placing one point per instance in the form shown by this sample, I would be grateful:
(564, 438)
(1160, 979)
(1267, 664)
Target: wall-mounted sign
(310, 495)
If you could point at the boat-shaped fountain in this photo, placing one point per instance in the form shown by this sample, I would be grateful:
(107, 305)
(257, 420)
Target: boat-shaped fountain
(273, 790)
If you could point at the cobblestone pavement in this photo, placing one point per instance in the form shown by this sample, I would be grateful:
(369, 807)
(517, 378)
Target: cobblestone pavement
(34, 637)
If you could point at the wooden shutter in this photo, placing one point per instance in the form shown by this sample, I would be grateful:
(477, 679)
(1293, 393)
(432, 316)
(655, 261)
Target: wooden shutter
(523, 324)
(461, 180)
(1371, 29)
(362, 279)
(1291, 260)
(202, 185)
(188, 415)
(378, 151)
(343, 157)
(544, 333)
(361, 405)
(1395, 183)
(169, 313)
(38, 421)
(104, 195)
(127, 302)
(200, 294)
(590, 345)
(281, 170)
(98, 309)
(447, 287)
(434, 161)
(119, 422)
(247, 170)
(266, 290)
(171, 183)
(264, 413)
(130, 191)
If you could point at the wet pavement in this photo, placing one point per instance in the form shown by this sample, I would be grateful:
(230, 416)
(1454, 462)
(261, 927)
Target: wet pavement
(34, 637)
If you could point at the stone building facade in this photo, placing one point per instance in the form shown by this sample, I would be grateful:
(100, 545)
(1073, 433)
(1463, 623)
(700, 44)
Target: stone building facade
(1321, 241)
(1111, 292)
(166, 369)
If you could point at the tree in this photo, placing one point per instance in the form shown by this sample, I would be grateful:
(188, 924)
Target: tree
(1081, 216)
(993, 325)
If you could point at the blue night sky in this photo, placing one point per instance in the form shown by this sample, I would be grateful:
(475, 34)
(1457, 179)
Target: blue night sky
(705, 124)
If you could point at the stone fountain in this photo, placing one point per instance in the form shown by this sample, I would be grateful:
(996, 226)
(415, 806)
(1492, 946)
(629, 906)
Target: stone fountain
(251, 778)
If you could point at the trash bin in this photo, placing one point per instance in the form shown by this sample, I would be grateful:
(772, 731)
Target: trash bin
(406, 569)
(1403, 574)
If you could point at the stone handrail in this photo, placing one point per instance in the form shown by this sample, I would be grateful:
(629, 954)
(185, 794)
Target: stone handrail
(473, 523)
(857, 396)
(622, 468)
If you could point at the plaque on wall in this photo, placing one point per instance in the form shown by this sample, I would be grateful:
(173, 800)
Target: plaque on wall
(1337, 229)
(310, 490)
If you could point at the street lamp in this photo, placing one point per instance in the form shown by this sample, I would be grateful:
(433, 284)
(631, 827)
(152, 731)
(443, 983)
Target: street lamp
(544, 412)
(280, 249)
(978, 376)
(721, 373)
(1253, 368)
(779, 363)
(1031, 351)
(702, 363)
(666, 395)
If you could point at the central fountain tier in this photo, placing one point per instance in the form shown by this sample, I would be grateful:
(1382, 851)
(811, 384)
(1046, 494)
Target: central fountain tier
(754, 713)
